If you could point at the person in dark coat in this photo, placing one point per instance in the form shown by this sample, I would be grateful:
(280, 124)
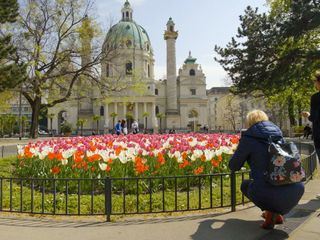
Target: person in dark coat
(314, 115)
(253, 149)
(118, 128)
(307, 131)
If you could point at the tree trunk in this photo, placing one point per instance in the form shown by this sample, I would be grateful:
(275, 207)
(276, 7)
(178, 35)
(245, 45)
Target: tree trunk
(51, 133)
(97, 127)
(299, 112)
(35, 117)
(22, 128)
(291, 111)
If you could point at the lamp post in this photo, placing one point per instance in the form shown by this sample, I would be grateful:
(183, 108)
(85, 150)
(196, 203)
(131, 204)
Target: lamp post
(20, 114)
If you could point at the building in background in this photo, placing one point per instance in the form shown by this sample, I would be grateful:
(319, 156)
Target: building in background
(228, 112)
(178, 102)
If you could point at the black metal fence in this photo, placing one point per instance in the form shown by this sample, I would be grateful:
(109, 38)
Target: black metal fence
(122, 196)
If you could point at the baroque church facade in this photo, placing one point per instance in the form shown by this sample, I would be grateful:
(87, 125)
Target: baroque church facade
(178, 102)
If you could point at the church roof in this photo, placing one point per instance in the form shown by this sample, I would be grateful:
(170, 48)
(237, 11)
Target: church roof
(127, 33)
(190, 59)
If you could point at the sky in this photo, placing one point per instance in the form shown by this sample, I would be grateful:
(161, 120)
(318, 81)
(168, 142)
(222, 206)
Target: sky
(201, 24)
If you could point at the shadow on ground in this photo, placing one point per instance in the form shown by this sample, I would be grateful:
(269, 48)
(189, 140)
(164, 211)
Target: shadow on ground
(66, 222)
(234, 229)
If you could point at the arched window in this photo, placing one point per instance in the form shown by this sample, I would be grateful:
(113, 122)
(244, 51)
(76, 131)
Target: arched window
(149, 70)
(192, 72)
(102, 111)
(156, 92)
(129, 43)
(129, 68)
(171, 28)
(127, 14)
(123, 15)
(157, 110)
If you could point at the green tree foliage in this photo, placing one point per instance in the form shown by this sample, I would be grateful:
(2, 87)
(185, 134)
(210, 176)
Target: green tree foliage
(11, 69)
(275, 51)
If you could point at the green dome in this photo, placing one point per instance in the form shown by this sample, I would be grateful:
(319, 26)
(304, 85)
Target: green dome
(128, 34)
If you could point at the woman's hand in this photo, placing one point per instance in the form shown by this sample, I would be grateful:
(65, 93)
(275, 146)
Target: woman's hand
(305, 114)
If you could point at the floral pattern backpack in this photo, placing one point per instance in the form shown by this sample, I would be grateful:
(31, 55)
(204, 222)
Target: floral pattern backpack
(285, 164)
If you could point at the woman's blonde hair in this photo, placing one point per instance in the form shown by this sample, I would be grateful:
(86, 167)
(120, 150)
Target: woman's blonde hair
(256, 116)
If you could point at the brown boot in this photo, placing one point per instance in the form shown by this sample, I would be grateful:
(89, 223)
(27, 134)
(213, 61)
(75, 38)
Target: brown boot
(270, 219)
(279, 218)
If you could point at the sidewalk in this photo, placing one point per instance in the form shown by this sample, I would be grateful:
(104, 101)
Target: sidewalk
(301, 223)
(310, 229)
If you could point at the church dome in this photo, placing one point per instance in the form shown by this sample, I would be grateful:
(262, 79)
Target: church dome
(127, 33)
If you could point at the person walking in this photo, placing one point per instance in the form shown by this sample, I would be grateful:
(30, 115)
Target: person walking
(253, 149)
(135, 127)
(314, 115)
(124, 127)
(118, 128)
(307, 131)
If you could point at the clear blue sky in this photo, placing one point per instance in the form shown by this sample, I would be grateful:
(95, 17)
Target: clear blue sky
(201, 24)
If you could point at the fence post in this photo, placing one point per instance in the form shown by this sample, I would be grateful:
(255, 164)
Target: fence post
(2, 149)
(107, 191)
(233, 191)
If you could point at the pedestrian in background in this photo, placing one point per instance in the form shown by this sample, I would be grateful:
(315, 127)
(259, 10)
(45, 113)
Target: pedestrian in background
(314, 114)
(118, 128)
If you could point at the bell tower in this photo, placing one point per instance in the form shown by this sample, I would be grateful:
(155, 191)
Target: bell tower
(127, 12)
(170, 36)
(172, 112)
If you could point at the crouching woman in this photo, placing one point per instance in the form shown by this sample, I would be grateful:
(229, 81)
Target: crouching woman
(253, 148)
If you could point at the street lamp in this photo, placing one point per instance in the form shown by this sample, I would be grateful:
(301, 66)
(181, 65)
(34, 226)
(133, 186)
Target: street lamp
(20, 113)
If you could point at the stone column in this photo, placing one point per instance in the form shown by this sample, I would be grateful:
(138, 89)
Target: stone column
(154, 118)
(106, 118)
(136, 111)
(124, 110)
(116, 111)
(170, 36)
(144, 110)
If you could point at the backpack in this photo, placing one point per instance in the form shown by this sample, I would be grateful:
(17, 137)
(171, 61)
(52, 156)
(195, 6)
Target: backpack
(285, 164)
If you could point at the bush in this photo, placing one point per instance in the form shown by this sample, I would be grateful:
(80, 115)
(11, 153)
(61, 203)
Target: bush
(298, 129)
(66, 128)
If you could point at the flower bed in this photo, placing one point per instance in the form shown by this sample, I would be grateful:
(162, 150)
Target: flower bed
(126, 156)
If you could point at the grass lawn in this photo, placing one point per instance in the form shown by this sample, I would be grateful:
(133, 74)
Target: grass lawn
(16, 195)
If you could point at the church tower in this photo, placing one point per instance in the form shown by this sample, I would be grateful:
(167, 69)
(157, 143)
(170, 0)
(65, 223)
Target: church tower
(170, 36)
(127, 12)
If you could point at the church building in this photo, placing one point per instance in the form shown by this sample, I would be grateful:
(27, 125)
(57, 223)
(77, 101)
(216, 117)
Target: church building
(178, 102)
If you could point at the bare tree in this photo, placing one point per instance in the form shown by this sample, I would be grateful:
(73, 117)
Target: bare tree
(61, 46)
(231, 112)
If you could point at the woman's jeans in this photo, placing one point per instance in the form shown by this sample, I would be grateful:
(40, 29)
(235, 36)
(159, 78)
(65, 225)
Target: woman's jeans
(244, 188)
